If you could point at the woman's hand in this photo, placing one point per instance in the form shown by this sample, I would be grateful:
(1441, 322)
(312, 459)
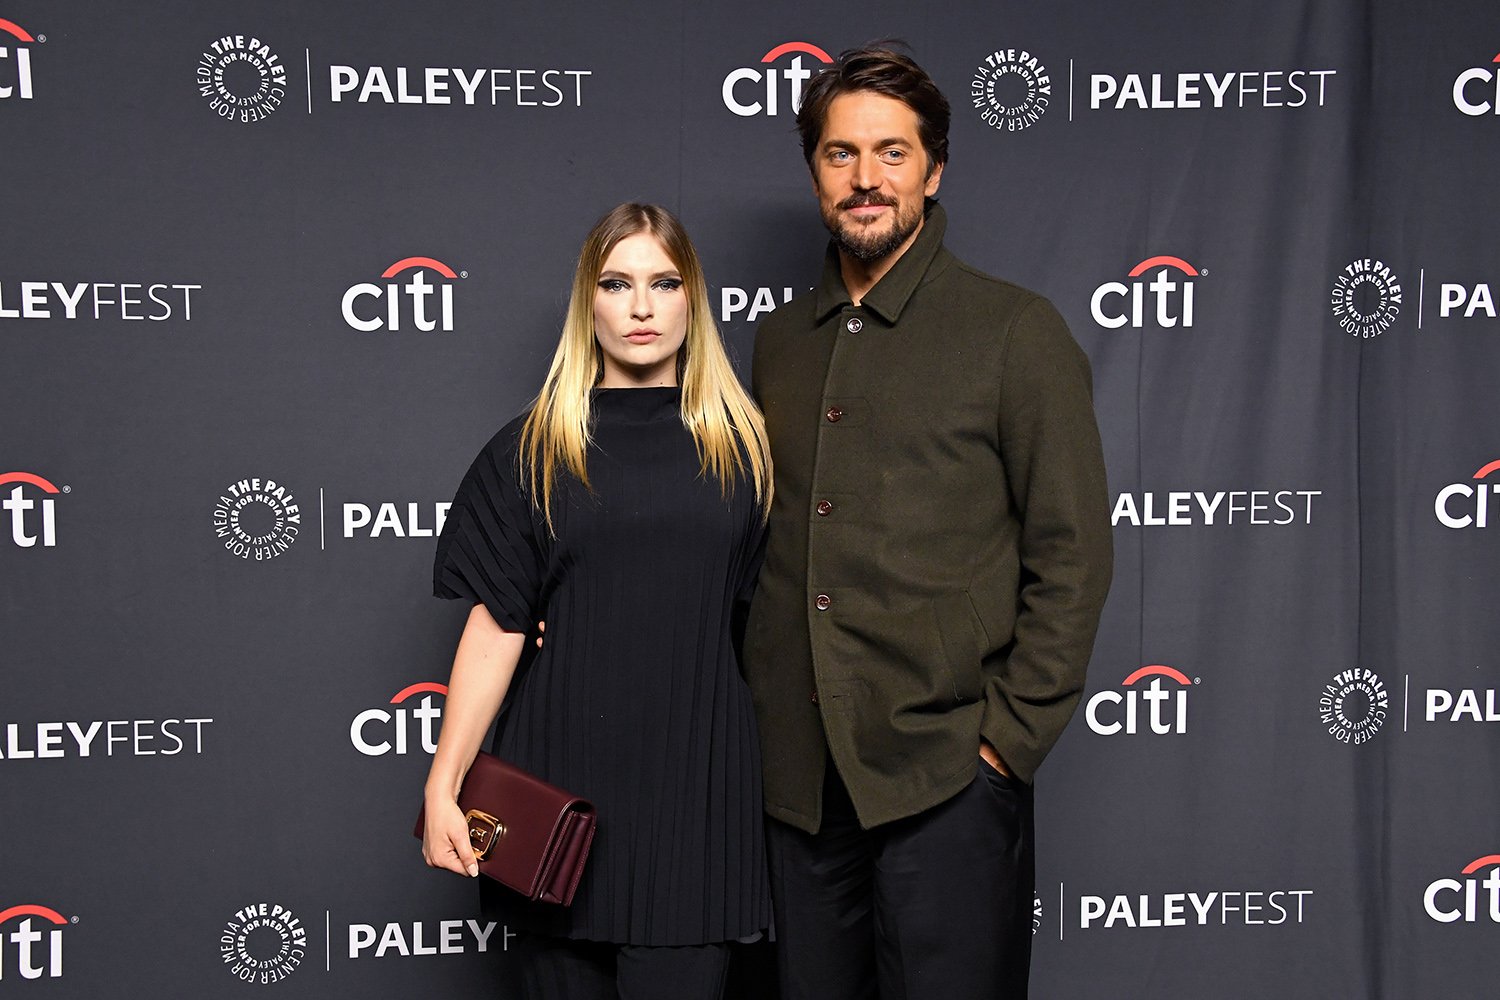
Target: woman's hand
(482, 669)
(445, 842)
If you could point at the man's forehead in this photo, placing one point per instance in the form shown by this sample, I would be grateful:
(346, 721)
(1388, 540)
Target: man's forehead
(862, 114)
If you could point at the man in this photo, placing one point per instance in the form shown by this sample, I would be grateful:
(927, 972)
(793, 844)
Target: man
(939, 554)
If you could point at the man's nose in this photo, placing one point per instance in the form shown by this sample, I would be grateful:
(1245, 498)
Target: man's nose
(866, 176)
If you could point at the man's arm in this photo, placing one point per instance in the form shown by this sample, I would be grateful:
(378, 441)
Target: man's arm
(1049, 444)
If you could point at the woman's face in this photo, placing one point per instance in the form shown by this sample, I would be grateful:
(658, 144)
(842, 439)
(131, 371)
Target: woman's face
(640, 314)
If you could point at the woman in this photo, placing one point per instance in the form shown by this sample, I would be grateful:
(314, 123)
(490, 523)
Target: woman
(626, 508)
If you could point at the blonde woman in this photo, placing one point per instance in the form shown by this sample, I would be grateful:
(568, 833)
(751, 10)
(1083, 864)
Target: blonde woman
(626, 508)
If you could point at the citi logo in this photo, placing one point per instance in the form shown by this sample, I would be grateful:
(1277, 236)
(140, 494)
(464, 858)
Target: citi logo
(1165, 698)
(36, 942)
(392, 301)
(1477, 91)
(376, 732)
(1117, 303)
(1449, 900)
(31, 521)
(1460, 505)
(15, 79)
(747, 101)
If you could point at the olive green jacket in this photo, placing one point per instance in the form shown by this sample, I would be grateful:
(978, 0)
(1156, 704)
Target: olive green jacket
(939, 546)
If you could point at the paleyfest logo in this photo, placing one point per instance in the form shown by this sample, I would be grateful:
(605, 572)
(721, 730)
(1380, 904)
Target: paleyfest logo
(1011, 90)
(15, 79)
(263, 943)
(32, 947)
(1476, 91)
(1366, 298)
(258, 519)
(241, 78)
(750, 90)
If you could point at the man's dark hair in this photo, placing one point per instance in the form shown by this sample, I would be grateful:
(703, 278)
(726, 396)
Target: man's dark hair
(882, 70)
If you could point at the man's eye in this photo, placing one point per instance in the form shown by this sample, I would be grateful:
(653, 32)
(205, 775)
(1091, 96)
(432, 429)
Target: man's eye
(839, 155)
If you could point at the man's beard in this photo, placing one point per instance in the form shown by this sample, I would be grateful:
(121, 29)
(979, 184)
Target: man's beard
(858, 241)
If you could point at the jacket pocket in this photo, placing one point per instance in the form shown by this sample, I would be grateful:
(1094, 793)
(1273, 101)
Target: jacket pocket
(958, 630)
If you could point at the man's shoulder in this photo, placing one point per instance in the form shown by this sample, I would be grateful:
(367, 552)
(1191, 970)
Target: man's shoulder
(985, 310)
(796, 315)
(968, 283)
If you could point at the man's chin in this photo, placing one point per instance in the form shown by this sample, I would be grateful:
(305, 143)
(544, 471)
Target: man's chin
(866, 244)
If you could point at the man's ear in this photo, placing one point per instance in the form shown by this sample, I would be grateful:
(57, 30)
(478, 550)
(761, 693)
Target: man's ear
(934, 178)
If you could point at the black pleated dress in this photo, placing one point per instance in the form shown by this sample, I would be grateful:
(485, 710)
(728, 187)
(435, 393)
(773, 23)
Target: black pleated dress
(636, 701)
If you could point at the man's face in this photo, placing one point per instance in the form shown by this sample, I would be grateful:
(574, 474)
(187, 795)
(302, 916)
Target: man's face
(870, 174)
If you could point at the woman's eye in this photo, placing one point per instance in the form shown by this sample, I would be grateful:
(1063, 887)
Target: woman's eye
(669, 284)
(612, 285)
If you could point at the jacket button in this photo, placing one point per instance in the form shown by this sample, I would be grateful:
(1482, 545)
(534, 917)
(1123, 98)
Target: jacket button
(824, 508)
(823, 602)
(834, 414)
(854, 325)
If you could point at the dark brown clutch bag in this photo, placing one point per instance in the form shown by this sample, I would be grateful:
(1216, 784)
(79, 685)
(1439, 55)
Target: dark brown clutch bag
(526, 834)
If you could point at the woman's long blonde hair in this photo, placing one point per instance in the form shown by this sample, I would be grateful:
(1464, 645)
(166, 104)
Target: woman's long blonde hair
(716, 409)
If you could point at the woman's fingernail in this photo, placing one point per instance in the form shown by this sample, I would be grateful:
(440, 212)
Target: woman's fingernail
(473, 871)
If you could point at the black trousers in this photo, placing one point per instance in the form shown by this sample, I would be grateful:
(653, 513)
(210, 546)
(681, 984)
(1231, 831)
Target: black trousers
(935, 905)
(560, 969)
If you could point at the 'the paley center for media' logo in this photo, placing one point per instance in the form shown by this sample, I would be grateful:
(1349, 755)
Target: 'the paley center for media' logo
(1366, 298)
(1011, 90)
(263, 943)
(241, 78)
(1354, 705)
(257, 519)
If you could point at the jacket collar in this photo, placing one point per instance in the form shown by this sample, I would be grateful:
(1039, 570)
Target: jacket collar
(895, 289)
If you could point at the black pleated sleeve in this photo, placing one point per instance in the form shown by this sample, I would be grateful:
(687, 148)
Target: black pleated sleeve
(488, 552)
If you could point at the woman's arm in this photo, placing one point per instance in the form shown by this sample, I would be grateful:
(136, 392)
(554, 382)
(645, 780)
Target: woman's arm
(482, 670)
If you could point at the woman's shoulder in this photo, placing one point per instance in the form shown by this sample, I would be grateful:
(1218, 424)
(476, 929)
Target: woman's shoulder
(498, 456)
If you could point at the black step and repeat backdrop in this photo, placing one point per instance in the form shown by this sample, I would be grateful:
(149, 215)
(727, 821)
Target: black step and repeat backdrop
(270, 274)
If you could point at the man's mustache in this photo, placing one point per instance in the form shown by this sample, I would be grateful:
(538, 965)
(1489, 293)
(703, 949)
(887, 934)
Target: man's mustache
(867, 198)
